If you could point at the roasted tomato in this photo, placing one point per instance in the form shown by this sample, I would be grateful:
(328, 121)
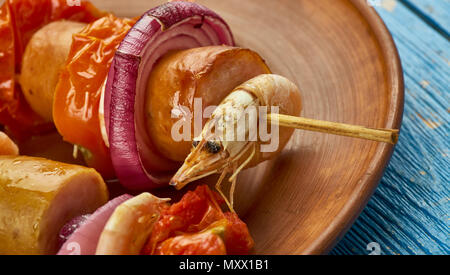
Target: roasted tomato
(81, 83)
(196, 225)
(19, 20)
(208, 242)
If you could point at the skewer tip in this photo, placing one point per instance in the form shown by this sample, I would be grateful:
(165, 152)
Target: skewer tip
(395, 136)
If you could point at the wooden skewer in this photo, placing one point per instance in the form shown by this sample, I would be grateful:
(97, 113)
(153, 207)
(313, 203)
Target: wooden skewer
(382, 135)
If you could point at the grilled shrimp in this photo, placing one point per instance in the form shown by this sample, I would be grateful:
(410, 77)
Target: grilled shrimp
(229, 142)
(7, 146)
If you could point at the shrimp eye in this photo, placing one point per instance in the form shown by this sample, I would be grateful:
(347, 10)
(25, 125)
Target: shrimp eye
(195, 143)
(213, 147)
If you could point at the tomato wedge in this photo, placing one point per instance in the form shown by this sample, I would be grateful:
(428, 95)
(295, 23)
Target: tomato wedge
(19, 20)
(80, 86)
(208, 242)
(196, 225)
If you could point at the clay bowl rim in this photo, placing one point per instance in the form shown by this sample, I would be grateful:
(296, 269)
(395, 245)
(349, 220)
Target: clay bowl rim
(369, 182)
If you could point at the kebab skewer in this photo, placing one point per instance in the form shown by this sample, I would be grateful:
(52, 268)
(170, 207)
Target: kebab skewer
(110, 91)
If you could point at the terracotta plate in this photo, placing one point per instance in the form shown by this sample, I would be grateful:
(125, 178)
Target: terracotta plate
(346, 64)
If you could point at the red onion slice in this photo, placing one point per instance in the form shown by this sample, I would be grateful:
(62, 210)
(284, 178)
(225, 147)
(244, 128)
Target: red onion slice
(171, 26)
(84, 240)
(69, 228)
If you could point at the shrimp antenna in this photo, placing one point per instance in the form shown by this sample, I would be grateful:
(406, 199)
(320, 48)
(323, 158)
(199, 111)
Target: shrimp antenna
(233, 178)
(245, 163)
(219, 189)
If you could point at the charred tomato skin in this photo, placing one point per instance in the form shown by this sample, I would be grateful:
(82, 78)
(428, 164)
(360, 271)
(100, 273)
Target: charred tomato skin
(19, 20)
(196, 225)
(79, 90)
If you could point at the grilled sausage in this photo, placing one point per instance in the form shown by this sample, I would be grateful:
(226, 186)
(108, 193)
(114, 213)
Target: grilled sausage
(38, 196)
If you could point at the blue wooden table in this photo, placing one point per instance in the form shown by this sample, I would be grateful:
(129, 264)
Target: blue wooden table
(409, 212)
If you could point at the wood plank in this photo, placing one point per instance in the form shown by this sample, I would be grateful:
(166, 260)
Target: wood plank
(408, 213)
(435, 12)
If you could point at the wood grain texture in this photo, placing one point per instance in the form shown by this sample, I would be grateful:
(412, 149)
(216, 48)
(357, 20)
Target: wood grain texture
(408, 213)
(345, 63)
(435, 12)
